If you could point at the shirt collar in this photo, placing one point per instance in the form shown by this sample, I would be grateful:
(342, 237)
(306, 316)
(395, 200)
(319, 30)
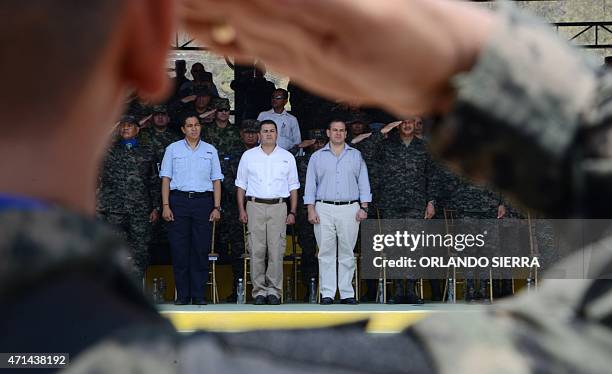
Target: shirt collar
(283, 113)
(327, 147)
(187, 144)
(273, 151)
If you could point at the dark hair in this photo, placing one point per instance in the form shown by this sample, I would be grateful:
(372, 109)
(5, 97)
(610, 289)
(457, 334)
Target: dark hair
(191, 115)
(283, 91)
(70, 34)
(267, 122)
(335, 121)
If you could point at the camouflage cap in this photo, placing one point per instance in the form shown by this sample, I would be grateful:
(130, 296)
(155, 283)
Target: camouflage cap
(128, 119)
(160, 109)
(202, 91)
(249, 125)
(358, 118)
(317, 134)
(221, 103)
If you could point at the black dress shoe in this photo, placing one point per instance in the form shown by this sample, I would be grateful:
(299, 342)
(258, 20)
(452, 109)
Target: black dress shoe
(181, 302)
(196, 301)
(414, 299)
(349, 301)
(327, 301)
(260, 300)
(232, 298)
(273, 300)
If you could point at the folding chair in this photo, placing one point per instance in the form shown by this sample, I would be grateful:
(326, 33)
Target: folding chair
(213, 257)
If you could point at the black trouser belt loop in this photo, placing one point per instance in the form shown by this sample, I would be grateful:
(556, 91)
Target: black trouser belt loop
(192, 195)
(338, 202)
(277, 200)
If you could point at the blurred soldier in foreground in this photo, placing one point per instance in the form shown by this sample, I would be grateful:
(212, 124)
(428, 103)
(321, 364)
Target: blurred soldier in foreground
(472, 67)
(129, 192)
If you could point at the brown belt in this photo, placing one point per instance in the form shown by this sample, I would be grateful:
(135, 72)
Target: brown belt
(278, 200)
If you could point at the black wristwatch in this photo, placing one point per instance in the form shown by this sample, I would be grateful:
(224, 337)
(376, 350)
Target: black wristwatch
(218, 208)
(292, 213)
(364, 209)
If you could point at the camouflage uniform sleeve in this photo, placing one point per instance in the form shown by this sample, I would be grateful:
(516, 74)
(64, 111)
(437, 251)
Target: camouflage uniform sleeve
(523, 118)
(154, 181)
(432, 188)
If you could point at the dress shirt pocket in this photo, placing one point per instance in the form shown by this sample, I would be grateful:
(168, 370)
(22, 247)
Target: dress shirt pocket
(204, 164)
(280, 170)
(179, 164)
(258, 170)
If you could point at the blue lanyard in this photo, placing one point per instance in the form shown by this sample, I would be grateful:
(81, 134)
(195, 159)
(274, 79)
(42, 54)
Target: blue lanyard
(9, 202)
(129, 144)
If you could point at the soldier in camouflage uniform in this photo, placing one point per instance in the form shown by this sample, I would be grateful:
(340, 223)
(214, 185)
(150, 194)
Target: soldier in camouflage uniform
(129, 192)
(230, 232)
(476, 206)
(368, 144)
(562, 131)
(406, 189)
(306, 238)
(158, 136)
(198, 103)
(222, 133)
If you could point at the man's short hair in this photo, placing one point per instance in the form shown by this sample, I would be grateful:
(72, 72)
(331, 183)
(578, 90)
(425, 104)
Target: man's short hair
(52, 45)
(336, 121)
(190, 115)
(268, 122)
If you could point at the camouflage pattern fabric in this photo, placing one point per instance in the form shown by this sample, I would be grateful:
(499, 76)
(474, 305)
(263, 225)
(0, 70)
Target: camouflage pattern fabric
(158, 140)
(368, 148)
(224, 139)
(512, 100)
(229, 239)
(129, 190)
(305, 230)
(405, 173)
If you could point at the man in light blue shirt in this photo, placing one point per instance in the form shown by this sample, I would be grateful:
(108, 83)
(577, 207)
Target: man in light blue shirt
(191, 198)
(337, 194)
(288, 127)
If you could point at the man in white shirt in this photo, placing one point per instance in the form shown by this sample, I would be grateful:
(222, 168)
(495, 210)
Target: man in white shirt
(288, 127)
(267, 176)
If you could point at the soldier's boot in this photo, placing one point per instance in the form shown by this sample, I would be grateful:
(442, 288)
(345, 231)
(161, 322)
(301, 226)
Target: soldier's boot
(233, 297)
(470, 293)
(483, 293)
(506, 288)
(436, 291)
(398, 293)
(411, 295)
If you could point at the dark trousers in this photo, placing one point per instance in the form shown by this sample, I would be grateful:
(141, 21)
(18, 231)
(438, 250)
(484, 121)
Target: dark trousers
(189, 236)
